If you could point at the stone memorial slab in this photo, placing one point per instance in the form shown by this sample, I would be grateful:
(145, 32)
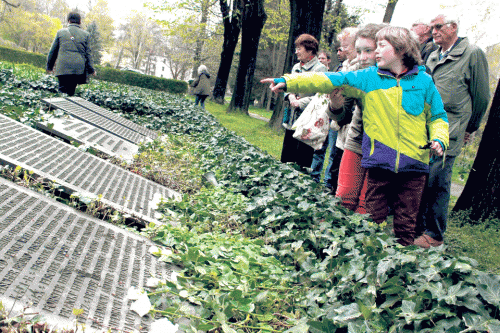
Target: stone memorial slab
(72, 129)
(78, 171)
(58, 259)
(95, 119)
(114, 117)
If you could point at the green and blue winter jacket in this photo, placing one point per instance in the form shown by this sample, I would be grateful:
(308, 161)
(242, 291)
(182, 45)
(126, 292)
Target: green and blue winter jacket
(399, 114)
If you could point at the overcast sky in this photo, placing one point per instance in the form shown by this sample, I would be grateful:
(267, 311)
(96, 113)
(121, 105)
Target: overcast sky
(480, 28)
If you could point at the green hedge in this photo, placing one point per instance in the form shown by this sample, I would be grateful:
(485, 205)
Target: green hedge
(141, 80)
(103, 73)
(22, 57)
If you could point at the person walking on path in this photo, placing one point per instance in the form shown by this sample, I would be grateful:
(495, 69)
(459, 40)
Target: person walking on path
(201, 86)
(70, 54)
(460, 72)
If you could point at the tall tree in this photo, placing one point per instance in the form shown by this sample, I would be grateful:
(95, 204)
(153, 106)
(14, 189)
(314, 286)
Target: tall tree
(95, 43)
(335, 18)
(179, 58)
(134, 38)
(202, 33)
(389, 11)
(272, 48)
(305, 17)
(253, 19)
(232, 25)
(481, 194)
(32, 31)
(99, 13)
(192, 21)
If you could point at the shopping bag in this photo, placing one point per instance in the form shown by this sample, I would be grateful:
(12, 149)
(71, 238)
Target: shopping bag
(313, 124)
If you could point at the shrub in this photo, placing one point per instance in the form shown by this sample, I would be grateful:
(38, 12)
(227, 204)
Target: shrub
(141, 80)
(22, 57)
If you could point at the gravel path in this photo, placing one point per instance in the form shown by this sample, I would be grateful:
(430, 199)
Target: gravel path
(456, 189)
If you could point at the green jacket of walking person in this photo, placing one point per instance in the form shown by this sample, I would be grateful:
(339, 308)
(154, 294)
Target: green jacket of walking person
(69, 57)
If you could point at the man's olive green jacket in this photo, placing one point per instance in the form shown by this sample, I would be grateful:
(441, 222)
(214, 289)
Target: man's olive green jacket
(70, 56)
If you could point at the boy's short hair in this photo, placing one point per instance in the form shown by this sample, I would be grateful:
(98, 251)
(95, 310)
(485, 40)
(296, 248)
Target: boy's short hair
(308, 42)
(404, 44)
(74, 17)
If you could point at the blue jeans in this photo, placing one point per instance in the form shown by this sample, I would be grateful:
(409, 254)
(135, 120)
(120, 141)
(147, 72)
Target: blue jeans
(434, 207)
(200, 99)
(319, 159)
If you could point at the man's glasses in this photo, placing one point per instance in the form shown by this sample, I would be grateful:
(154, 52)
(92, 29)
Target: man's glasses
(439, 25)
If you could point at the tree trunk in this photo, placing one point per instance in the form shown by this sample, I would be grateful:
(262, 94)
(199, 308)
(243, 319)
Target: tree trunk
(334, 11)
(305, 17)
(200, 41)
(253, 20)
(231, 33)
(389, 10)
(481, 194)
(119, 59)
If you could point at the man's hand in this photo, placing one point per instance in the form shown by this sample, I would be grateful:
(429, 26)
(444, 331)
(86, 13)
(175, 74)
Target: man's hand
(275, 88)
(467, 137)
(436, 148)
(49, 72)
(337, 100)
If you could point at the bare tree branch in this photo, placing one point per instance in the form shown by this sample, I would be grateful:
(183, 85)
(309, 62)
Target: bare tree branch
(11, 4)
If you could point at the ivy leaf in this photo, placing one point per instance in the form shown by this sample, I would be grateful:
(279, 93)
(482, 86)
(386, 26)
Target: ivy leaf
(454, 292)
(305, 206)
(493, 327)
(261, 297)
(475, 322)
(489, 288)
(227, 329)
(300, 327)
(408, 311)
(325, 326)
(347, 312)
(382, 268)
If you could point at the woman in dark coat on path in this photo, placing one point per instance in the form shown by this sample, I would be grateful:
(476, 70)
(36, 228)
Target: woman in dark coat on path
(70, 54)
(201, 86)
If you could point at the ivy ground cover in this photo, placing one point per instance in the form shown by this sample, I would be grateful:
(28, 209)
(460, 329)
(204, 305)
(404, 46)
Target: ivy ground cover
(265, 249)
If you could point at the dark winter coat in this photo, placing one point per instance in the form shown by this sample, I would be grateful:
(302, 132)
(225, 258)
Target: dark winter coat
(202, 85)
(70, 57)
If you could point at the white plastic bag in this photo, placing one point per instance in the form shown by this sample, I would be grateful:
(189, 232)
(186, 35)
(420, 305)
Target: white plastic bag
(313, 124)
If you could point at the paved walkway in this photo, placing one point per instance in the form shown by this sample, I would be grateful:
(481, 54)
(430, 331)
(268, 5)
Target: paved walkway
(456, 189)
(256, 116)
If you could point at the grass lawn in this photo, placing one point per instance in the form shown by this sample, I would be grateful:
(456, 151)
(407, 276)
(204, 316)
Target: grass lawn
(480, 242)
(254, 130)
